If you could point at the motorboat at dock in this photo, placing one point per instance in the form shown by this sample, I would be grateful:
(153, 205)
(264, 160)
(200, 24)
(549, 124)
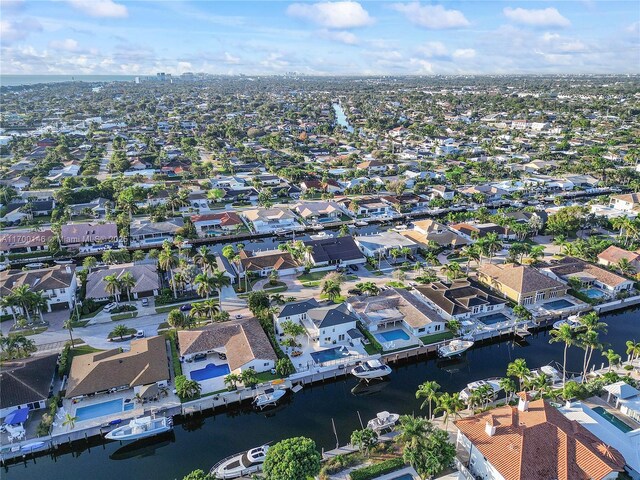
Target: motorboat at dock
(383, 421)
(142, 427)
(269, 397)
(371, 369)
(454, 347)
(493, 383)
(241, 464)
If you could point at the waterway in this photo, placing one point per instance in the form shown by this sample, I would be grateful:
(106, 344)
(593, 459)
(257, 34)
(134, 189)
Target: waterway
(201, 441)
(341, 118)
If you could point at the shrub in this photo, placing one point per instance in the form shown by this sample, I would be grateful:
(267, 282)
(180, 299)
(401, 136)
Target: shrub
(65, 361)
(373, 471)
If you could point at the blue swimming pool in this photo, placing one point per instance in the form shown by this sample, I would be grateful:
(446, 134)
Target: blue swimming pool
(593, 293)
(100, 409)
(493, 318)
(612, 419)
(406, 476)
(210, 371)
(152, 241)
(558, 304)
(330, 354)
(392, 335)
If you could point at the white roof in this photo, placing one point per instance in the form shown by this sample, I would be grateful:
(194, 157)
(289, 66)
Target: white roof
(622, 390)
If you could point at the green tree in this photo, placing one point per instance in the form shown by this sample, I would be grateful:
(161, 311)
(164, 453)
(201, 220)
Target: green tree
(412, 430)
(68, 324)
(509, 386)
(231, 381)
(176, 319)
(364, 439)
(450, 404)
(431, 456)
(284, 367)
(566, 335)
(69, 421)
(428, 390)
(292, 459)
(127, 282)
(120, 331)
(197, 475)
(258, 301)
(249, 377)
(186, 388)
(518, 368)
(89, 263)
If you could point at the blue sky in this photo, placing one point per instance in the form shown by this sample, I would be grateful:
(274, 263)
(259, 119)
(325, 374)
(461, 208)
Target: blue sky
(319, 38)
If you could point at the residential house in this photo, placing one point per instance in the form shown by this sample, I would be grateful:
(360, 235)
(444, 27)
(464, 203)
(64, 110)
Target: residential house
(371, 207)
(380, 244)
(396, 307)
(78, 234)
(96, 208)
(25, 241)
(27, 383)
(406, 202)
(521, 283)
(265, 220)
(480, 230)
(56, 284)
(244, 344)
(491, 193)
(442, 191)
(142, 230)
(217, 223)
(629, 202)
(426, 231)
(372, 166)
(612, 255)
(293, 311)
(533, 441)
(146, 363)
(264, 262)
(460, 300)
(330, 325)
(146, 277)
(588, 274)
(318, 211)
(334, 251)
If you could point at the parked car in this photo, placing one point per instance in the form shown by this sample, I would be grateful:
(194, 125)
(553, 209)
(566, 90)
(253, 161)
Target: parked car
(109, 307)
(186, 307)
(145, 302)
(353, 268)
(139, 333)
(199, 356)
(355, 291)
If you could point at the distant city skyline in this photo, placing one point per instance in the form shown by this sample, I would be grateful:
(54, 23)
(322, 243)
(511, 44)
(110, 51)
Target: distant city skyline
(108, 37)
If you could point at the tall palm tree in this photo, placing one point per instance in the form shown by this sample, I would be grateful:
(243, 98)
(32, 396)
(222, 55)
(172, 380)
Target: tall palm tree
(518, 368)
(428, 390)
(204, 259)
(412, 430)
(68, 324)
(24, 298)
(492, 245)
(564, 334)
(452, 270)
(450, 404)
(633, 350)
(331, 290)
(112, 286)
(167, 261)
(127, 282)
(220, 280)
(211, 307)
(612, 357)
(89, 263)
(591, 327)
(472, 253)
(509, 386)
(9, 303)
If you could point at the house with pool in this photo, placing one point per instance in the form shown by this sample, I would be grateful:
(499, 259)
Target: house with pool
(396, 317)
(105, 383)
(208, 354)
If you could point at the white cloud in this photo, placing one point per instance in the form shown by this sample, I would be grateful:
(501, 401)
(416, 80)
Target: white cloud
(100, 8)
(435, 17)
(13, 31)
(68, 45)
(544, 17)
(337, 15)
(464, 53)
(339, 36)
(634, 28)
(230, 59)
(433, 50)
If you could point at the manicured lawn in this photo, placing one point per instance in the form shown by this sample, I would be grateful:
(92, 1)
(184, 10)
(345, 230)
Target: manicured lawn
(29, 331)
(173, 306)
(175, 356)
(436, 337)
(81, 350)
(91, 315)
(267, 377)
(123, 316)
(312, 276)
(370, 349)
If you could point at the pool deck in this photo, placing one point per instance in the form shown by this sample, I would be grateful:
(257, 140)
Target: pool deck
(210, 384)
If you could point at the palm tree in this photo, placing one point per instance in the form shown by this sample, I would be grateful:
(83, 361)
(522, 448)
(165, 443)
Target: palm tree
(69, 421)
(89, 263)
(509, 386)
(589, 338)
(612, 357)
(428, 390)
(204, 259)
(24, 298)
(68, 324)
(451, 270)
(112, 287)
(231, 381)
(368, 288)
(120, 331)
(564, 334)
(211, 307)
(188, 388)
(331, 290)
(450, 404)
(9, 302)
(127, 282)
(518, 368)
(204, 285)
(625, 267)
(633, 350)
(220, 280)
(249, 377)
(472, 253)
(167, 262)
(412, 430)
(492, 245)
(276, 299)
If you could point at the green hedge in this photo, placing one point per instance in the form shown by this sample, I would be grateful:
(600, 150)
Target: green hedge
(171, 335)
(372, 340)
(374, 471)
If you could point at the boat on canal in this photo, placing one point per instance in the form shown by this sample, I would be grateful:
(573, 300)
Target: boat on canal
(383, 421)
(572, 320)
(321, 236)
(142, 427)
(454, 347)
(269, 397)
(241, 464)
(493, 383)
(371, 369)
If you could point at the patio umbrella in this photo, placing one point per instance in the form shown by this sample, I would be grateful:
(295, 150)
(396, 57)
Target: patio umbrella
(17, 416)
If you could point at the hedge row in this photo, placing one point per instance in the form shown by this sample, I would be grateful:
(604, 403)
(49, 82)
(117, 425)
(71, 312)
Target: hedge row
(374, 471)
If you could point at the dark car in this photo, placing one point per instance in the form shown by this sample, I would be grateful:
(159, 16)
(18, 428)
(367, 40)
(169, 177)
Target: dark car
(354, 268)
(355, 291)
(186, 307)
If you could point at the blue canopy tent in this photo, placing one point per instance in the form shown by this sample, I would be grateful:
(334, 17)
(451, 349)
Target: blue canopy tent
(17, 416)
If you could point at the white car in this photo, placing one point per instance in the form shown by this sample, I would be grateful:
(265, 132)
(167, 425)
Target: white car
(140, 334)
(110, 307)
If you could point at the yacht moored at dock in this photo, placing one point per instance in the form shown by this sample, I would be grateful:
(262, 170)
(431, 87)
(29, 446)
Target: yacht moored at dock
(241, 464)
(383, 421)
(269, 397)
(454, 347)
(493, 383)
(371, 369)
(141, 428)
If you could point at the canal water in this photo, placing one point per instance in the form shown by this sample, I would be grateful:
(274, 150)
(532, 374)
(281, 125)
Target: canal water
(203, 440)
(341, 118)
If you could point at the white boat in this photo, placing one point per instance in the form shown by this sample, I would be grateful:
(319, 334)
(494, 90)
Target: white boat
(269, 397)
(493, 382)
(321, 235)
(241, 464)
(555, 376)
(282, 231)
(572, 320)
(33, 266)
(31, 447)
(142, 427)
(454, 347)
(371, 369)
(383, 421)
(400, 228)
(361, 223)
(317, 227)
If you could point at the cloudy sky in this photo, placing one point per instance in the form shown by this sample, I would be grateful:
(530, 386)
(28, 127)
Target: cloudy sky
(333, 37)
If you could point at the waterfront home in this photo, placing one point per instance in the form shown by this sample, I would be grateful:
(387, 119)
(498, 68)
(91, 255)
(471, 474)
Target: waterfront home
(588, 275)
(264, 262)
(27, 383)
(93, 234)
(626, 399)
(612, 255)
(334, 251)
(318, 211)
(406, 202)
(371, 207)
(146, 363)
(396, 307)
(461, 300)
(628, 202)
(240, 345)
(489, 192)
(56, 284)
(521, 283)
(96, 208)
(479, 230)
(25, 241)
(217, 223)
(330, 325)
(293, 311)
(533, 441)
(380, 244)
(426, 231)
(441, 191)
(267, 220)
(148, 231)
(145, 275)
